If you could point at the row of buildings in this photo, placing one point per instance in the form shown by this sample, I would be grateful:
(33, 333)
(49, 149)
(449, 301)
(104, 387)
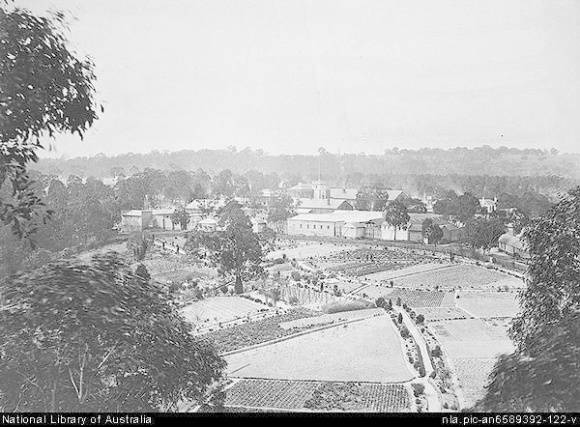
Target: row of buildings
(353, 224)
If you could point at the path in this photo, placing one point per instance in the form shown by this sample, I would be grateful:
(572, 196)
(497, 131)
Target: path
(433, 403)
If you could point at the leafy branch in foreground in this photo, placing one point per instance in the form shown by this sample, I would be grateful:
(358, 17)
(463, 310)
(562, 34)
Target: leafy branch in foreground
(95, 336)
(543, 373)
(44, 89)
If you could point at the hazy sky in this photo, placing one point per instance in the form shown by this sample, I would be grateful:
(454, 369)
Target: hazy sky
(352, 76)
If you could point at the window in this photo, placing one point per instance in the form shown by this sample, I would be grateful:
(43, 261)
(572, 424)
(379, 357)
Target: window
(300, 225)
(328, 227)
(321, 227)
(308, 226)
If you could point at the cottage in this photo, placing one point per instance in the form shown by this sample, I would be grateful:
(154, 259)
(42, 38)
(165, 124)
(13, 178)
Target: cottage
(135, 220)
(513, 244)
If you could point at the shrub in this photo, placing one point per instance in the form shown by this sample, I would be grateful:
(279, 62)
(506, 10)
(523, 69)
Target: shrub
(436, 352)
(418, 389)
(405, 332)
(400, 318)
(380, 302)
(338, 307)
(420, 318)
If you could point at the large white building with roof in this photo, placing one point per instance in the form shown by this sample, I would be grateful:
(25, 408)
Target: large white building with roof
(334, 224)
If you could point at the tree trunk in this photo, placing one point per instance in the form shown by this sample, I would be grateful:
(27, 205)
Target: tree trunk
(239, 287)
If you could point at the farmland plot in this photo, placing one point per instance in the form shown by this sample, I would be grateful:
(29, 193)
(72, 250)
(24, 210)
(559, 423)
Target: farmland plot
(407, 271)
(367, 350)
(463, 275)
(221, 309)
(424, 298)
(316, 396)
(436, 314)
(255, 332)
(367, 397)
(327, 319)
(473, 375)
(305, 250)
(472, 338)
(489, 304)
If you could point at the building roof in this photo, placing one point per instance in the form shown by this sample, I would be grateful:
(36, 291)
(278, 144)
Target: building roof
(132, 213)
(167, 211)
(394, 194)
(320, 203)
(340, 216)
(511, 240)
(343, 193)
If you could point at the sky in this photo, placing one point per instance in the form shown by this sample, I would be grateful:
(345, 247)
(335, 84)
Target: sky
(289, 76)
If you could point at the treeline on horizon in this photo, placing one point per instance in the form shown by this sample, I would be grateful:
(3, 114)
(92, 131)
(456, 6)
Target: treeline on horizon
(483, 160)
(483, 171)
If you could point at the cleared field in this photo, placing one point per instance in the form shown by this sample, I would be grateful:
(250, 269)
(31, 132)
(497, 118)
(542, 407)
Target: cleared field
(368, 350)
(375, 291)
(221, 309)
(489, 304)
(462, 275)
(472, 338)
(414, 269)
(316, 396)
(473, 375)
(436, 314)
(326, 319)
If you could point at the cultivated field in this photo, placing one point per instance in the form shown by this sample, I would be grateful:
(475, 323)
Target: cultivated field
(463, 276)
(254, 332)
(327, 319)
(367, 350)
(489, 304)
(413, 269)
(316, 396)
(303, 250)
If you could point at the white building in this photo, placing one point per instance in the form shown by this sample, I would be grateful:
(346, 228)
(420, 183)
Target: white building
(349, 224)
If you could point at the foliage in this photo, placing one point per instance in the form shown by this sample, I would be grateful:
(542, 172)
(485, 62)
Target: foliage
(45, 90)
(432, 231)
(542, 374)
(462, 207)
(484, 233)
(236, 249)
(281, 209)
(371, 199)
(96, 337)
(181, 217)
(139, 244)
(396, 215)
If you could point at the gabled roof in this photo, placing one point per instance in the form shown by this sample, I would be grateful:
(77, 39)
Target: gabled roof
(394, 194)
(320, 203)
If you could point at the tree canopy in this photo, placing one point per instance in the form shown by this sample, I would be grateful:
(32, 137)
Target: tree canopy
(95, 336)
(45, 89)
(542, 374)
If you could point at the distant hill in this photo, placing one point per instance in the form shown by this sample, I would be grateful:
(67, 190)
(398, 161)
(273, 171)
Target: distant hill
(484, 160)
